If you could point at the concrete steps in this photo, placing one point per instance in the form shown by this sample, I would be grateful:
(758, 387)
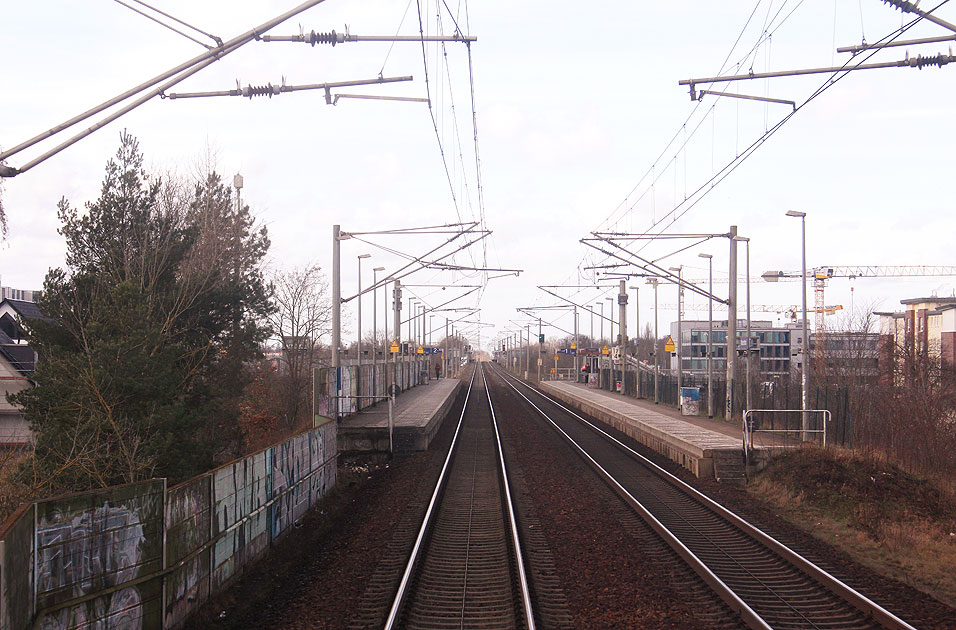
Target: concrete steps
(729, 466)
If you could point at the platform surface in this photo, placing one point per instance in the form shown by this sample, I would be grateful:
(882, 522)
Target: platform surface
(416, 415)
(704, 433)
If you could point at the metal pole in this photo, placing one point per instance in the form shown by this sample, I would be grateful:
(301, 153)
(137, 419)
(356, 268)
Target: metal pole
(591, 308)
(637, 341)
(539, 350)
(397, 314)
(391, 422)
(805, 376)
(576, 343)
(680, 336)
(359, 297)
(731, 326)
(657, 358)
(336, 316)
(527, 354)
(601, 304)
(749, 334)
(710, 334)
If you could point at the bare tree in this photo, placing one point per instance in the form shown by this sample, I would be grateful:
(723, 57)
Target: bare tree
(302, 319)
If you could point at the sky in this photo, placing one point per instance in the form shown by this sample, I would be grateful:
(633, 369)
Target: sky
(581, 127)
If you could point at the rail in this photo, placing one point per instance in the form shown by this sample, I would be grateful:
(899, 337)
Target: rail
(852, 597)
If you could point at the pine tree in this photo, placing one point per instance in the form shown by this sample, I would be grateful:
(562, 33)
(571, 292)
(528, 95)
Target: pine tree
(148, 327)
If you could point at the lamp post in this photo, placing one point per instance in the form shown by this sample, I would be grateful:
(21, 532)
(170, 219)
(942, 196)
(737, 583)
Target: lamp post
(746, 241)
(591, 308)
(680, 334)
(805, 421)
(637, 340)
(360, 257)
(411, 319)
(601, 304)
(657, 361)
(375, 313)
(710, 334)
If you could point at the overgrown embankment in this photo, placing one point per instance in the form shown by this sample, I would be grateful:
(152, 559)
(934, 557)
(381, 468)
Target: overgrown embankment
(893, 521)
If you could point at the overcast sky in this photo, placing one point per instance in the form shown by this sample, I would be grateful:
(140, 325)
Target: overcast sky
(576, 104)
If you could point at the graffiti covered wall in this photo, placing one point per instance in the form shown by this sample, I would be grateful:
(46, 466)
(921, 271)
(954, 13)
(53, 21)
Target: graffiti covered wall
(141, 557)
(101, 541)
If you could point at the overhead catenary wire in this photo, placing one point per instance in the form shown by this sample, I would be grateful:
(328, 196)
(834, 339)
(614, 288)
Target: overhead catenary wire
(171, 77)
(164, 24)
(681, 208)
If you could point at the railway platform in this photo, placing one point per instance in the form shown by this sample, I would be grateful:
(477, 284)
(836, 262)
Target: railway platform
(417, 414)
(708, 448)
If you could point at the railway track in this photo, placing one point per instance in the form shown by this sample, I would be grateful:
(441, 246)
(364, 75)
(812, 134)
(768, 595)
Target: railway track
(466, 568)
(763, 581)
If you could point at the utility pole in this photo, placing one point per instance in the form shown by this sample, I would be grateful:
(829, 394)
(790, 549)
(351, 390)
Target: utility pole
(540, 350)
(397, 314)
(359, 298)
(527, 354)
(622, 328)
(576, 343)
(336, 318)
(657, 361)
(731, 325)
(805, 375)
(375, 317)
(637, 341)
(710, 334)
(680, 333)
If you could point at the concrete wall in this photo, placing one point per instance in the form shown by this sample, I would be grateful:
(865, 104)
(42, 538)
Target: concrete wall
(357, 385)
(140, 556)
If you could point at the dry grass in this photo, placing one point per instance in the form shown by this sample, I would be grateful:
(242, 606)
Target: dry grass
(892, 521)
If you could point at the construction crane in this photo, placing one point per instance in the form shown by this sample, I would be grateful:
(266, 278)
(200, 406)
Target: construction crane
(790, 310)
(821, 274)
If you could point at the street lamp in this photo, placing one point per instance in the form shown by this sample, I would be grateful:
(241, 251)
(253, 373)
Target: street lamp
(657, 362)
(746, 240)
(637, 340)
(360, 257)
(601, 304)
(710, 334)
(680, 335)
(805, 421)
(375, 315)
(610, 318)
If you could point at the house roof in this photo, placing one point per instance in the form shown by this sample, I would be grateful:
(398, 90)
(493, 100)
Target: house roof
(21, 357)
(27, 310)
(929, 300)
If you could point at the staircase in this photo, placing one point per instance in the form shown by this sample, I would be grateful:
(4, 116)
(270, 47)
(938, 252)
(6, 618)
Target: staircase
(729, 467)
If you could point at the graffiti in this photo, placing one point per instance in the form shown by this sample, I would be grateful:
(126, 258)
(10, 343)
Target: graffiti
(81, 553)
(207, 529)
(240, 491)
(188, 524)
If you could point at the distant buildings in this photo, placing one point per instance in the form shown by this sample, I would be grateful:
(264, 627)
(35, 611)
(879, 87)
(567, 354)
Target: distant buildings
(779, 348)
(925, 330)
(17, 364)
(24, 295)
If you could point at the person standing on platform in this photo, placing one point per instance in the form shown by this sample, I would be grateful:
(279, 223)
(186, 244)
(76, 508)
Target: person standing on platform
(437, 371)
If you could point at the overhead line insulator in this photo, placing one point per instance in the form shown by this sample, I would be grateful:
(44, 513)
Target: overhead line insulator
(261, 90)
(333, 38)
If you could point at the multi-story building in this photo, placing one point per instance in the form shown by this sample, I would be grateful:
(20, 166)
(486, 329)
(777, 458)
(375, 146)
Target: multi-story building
(779, 348)
(23, 295)
(925, 330)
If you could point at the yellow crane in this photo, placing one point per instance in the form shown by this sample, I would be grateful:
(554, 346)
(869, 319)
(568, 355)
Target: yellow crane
(821, 274)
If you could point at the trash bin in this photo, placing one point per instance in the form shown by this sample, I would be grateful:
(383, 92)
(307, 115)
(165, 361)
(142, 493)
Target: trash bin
(690, 401)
